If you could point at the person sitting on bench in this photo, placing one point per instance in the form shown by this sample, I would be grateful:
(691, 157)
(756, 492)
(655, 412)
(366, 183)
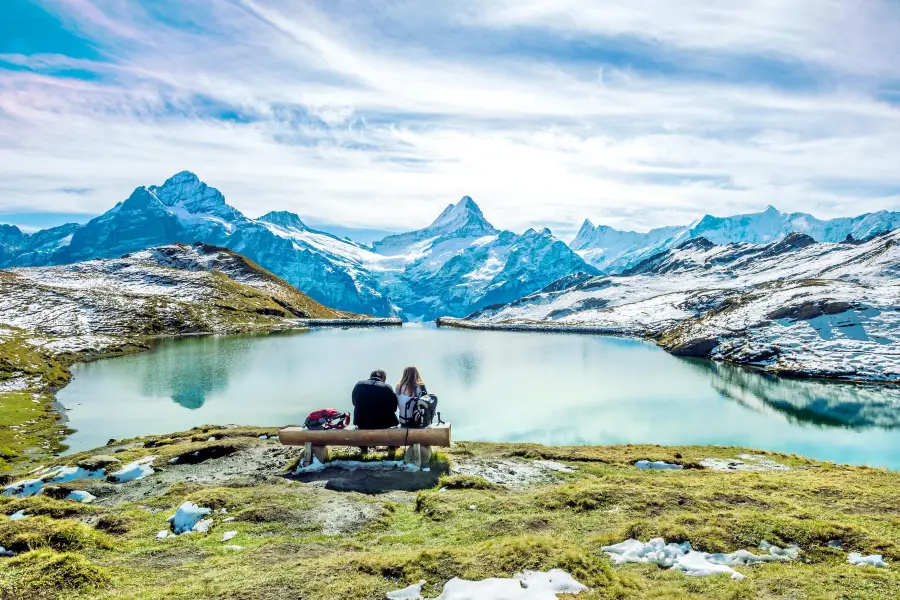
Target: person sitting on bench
(375, 405)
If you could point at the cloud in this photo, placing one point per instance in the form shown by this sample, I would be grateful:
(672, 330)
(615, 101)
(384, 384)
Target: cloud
(376, 116)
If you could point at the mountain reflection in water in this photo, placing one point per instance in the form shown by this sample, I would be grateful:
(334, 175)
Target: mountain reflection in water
(808, 401)
(493, 386)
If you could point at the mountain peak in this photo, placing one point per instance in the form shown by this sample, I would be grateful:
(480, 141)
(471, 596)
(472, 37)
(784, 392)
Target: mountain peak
(183, 177)
(464, 214)
(186, 191)
(771, 210)
(284, 219)
(10, 231)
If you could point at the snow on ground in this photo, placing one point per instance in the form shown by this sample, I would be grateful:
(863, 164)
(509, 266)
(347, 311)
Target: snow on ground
(857, 559)
(135, 470)
(510, 472)
(228, 535)
(188, 518)
(530, 585)
(656, 464)
(695, 564)
(355, 465)
(81, 496)
(33, 487)
(744, 462)
(18, 516)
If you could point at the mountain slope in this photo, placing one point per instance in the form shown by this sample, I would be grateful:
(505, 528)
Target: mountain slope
(614, 251)
(793, 306)
(162, 290)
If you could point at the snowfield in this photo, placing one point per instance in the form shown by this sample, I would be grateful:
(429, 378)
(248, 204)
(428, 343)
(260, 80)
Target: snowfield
(795, 306)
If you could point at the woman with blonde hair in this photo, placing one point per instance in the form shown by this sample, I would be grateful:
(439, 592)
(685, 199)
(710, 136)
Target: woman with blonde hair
(410, 386)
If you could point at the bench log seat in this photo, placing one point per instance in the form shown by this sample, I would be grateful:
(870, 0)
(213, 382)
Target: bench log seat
(316, 441)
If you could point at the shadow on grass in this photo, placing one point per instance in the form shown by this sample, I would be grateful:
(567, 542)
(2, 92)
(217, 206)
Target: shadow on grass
(374, 481)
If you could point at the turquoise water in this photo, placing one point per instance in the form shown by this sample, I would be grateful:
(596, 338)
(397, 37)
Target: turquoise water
(498, 386)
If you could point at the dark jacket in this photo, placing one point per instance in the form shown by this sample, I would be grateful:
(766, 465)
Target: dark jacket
(374, 405)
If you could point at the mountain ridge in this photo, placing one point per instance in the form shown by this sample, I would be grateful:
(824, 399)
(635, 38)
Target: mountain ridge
(613, 251)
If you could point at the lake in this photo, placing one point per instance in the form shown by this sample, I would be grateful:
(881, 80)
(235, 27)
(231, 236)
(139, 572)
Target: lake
(497, 386)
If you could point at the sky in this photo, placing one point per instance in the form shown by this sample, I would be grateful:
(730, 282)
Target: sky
(373, 116)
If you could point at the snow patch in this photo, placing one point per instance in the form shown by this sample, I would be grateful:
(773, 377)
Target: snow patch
(188, 518)
(228, 535)
(530, 585)
(33, 487)
(656, 464)
(132, 471)
(81, 496)
(355, 465)
(744, 462)
(18, 515)
(857, 559)
(683, 557)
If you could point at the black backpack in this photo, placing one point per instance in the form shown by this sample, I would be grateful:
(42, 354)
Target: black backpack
(420, 411)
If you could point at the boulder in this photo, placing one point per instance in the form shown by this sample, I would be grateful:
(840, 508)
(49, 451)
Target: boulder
(101, 461)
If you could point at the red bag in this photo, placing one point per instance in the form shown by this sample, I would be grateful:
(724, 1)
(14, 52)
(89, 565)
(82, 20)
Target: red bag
(327, 418)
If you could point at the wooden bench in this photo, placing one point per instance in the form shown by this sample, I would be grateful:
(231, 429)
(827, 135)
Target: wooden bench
(417, 441)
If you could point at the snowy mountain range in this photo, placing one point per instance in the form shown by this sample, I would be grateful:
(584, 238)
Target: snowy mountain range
(795, 306)
(456, 265)
(614, 251)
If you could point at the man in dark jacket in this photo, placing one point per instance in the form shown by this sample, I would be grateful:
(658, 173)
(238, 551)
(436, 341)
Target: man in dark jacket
(374, 405)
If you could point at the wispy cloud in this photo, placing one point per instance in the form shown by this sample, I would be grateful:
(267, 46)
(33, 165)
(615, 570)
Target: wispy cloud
(377, 115)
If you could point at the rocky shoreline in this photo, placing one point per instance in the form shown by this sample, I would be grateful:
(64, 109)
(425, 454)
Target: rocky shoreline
(534, 327)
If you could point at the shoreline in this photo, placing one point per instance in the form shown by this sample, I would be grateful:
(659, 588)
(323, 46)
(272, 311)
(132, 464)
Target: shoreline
(550, 328)
(539, 327)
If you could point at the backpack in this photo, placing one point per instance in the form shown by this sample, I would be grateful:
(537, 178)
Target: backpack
(327, 418)
(420, 411)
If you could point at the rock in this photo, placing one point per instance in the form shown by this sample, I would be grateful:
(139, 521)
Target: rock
(101, 461)
(697, 348)
(810, 310)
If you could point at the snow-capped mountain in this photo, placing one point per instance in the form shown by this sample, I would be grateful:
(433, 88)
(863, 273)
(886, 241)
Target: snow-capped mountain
(456, 265)
(170, 289)
(791, 306)
(614, 251)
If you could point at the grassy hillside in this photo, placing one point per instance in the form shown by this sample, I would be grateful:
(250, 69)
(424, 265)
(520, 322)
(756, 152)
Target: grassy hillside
(300, 540)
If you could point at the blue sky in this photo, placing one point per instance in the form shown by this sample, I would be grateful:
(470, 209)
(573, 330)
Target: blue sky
(374, 116)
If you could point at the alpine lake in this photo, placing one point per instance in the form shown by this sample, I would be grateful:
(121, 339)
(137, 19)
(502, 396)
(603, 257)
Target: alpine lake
(558, 389)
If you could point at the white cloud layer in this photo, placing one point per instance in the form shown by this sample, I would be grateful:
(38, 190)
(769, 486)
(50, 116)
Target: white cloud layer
(635, 115)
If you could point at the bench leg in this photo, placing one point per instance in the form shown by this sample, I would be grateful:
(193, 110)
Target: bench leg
(321, 452)
(307, 455)
(418, 455)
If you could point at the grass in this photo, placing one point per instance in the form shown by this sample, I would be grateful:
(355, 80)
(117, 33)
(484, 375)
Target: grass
(29, 426)
(113, 552)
